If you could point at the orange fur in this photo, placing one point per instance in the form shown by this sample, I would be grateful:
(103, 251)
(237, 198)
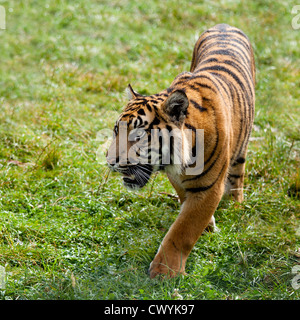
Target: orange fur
(217, 95)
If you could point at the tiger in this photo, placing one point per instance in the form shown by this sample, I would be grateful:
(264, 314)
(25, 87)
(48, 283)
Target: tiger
(217, 96)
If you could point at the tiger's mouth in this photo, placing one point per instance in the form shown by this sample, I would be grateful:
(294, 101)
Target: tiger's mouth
(137, 176)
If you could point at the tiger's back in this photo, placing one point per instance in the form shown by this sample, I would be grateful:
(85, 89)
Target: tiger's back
(220, 87)
(227, 54)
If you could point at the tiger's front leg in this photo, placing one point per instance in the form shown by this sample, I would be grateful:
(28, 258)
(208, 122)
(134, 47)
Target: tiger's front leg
(196, 213)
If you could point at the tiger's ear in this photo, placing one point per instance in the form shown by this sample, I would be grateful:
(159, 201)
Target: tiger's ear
(131, 94)
(176, 107)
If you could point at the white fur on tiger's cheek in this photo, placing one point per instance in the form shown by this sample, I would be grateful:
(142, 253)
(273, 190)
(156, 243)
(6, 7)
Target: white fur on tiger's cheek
(165, 150)
(186, 150)
(174, 169)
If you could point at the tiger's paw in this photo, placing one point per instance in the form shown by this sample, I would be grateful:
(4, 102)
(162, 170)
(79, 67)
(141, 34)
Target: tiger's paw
(212, 227)
(159, 267)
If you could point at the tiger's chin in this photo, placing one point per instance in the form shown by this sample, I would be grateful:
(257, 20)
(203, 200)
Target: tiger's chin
(132, 184)
(138, 178)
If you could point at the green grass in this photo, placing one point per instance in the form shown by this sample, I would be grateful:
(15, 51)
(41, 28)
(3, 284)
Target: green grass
(68, 228)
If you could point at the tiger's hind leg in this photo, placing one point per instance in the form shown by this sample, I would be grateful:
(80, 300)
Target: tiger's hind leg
(235, 180)
(211, 227)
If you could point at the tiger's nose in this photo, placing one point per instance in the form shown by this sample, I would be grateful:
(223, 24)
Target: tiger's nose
(112, 161)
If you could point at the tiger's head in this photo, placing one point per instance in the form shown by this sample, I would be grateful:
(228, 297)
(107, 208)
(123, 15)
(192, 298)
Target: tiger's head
(147, 137)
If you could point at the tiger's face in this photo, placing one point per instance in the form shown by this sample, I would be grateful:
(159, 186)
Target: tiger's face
(141, 141)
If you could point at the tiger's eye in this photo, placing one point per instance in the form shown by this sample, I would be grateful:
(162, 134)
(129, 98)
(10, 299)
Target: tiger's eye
(139, 134)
